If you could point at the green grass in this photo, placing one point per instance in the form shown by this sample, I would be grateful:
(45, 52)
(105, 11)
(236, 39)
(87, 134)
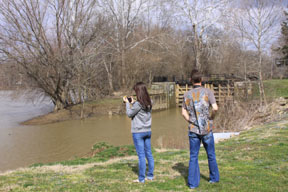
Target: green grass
(273, 89)
(100, 152)
(257, 160)
(276, 88)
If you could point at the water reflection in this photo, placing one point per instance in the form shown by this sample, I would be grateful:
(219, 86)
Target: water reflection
(23, 145)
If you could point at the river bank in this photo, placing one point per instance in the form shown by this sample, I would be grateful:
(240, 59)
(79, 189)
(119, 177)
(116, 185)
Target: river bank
(105, 106)
(256, 160)
(15, 109)
(113, 105)
(23, 145)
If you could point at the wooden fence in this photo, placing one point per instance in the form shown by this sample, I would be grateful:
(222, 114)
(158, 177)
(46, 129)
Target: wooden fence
(222, 93)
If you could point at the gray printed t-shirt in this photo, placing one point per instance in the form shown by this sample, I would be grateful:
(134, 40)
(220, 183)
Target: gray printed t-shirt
(202, 98)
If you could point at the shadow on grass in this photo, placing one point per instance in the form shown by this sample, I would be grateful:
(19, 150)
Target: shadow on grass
(133, 167)
(183, 170)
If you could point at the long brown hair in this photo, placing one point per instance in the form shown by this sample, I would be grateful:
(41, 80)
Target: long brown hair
(142, 95)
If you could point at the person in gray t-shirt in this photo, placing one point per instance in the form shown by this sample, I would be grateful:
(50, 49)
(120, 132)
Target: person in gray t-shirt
(195, 111)
(140, 113)
(199, 100)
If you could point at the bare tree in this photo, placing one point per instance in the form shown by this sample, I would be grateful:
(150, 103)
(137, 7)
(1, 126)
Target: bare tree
(125, 17)
(256, 22)
(200, 15)
(52, 41)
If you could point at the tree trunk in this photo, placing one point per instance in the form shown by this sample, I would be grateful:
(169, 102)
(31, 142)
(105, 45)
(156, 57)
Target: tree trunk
(61, 100)
(123, 68)
(150, 78)
(58, 105)
(260, 84)
(261, 90)
(82, 110)
(198, 58)
(197, 49)
(110, 81)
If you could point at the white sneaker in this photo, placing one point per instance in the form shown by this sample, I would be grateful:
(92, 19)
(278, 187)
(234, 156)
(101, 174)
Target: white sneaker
(137, 181)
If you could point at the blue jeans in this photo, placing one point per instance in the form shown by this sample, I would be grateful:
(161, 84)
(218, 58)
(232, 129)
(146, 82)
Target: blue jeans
(194, 171)
(142, 143)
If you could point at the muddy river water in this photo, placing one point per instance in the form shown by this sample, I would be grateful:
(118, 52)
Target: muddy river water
(21, 146)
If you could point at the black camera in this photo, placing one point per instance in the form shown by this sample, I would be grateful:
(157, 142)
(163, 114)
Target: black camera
(128, 98)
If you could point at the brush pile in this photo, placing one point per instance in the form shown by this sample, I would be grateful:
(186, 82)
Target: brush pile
(237, 116)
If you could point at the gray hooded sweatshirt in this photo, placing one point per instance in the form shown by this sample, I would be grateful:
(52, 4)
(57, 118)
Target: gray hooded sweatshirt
(141, 118)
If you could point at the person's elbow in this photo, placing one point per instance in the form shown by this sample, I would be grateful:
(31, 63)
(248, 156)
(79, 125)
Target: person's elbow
(183, 113)
(215, 107)
(129, 114)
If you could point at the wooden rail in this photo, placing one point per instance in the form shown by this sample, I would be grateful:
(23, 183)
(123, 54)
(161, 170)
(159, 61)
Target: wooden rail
(222, 93)
(179, 92)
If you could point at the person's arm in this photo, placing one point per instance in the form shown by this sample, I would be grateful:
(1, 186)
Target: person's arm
(212, 101)
(132, 109)
(214, 111)
(185, 114)
(214, 106)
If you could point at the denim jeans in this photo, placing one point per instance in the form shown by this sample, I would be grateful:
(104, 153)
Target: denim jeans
(142, 143)
(194, 171)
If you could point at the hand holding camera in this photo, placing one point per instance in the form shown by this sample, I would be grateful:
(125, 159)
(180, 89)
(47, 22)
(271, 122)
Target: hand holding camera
(129, 99)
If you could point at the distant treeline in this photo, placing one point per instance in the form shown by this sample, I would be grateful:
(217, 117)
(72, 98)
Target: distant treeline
(88, 48)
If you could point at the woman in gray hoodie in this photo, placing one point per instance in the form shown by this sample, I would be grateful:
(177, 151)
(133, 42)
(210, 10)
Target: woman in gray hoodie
(140, 113)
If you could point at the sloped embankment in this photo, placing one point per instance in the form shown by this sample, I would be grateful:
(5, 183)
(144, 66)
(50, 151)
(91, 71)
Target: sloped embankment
(105, 106)
(257, 160)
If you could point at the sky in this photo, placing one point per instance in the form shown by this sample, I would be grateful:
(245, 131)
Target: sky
(276, 15)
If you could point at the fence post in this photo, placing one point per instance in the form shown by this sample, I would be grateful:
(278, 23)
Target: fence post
(228, 87)
(177, 93)
(219, 92)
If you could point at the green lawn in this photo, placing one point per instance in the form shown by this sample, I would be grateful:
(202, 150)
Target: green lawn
(273, 88)
(257, 160)
(276, 88)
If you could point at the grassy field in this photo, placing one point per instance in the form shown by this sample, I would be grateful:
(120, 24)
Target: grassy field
(257, 160)
(273, 89)
(276, 88)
